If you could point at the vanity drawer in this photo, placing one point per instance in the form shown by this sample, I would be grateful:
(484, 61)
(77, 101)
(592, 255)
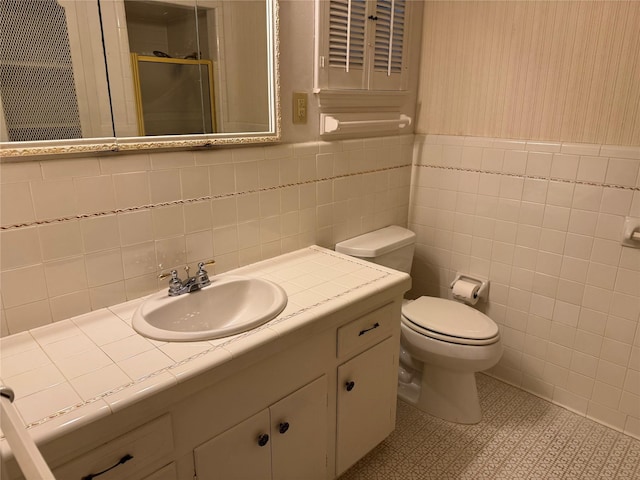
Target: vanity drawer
(150, 447)
(366, 330)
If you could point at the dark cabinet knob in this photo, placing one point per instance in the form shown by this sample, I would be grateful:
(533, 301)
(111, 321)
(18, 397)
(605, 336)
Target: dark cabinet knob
(284, 426)
(349, 385)
(263, 439)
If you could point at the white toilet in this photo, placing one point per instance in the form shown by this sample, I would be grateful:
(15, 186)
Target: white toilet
(443, 342)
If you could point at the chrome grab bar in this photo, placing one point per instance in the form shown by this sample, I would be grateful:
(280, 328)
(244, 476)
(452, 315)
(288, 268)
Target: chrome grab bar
(24, 449)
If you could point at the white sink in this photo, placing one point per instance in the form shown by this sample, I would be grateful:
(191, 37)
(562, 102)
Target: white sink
(229, 305)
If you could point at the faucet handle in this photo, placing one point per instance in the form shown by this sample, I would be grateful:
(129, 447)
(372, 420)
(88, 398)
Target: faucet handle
(175, 284)
(173, 274)
(203, 276)
(201, 265)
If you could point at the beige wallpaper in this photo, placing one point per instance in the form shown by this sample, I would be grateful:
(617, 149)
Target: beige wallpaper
(539, 70)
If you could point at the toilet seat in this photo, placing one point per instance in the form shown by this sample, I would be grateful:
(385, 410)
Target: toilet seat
(449, 321)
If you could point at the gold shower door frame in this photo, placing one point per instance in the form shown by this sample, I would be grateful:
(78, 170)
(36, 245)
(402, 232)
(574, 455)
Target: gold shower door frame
(135, 58)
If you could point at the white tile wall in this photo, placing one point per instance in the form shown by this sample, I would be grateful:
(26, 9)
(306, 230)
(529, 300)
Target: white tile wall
(543, 222)
(80, 234)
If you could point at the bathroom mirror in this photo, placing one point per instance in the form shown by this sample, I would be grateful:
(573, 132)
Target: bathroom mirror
(122, 75)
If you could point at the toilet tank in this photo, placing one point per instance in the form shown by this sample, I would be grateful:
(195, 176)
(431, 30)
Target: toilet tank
(391, 246)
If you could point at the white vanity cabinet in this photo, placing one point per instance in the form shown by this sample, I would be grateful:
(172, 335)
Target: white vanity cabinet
(287, 441)
(299, 399)
(334, 385)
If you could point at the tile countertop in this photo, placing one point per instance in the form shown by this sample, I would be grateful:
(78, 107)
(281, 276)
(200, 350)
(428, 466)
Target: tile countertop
(75, 371)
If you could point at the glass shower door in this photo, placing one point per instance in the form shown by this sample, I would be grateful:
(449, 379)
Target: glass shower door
(174, 96)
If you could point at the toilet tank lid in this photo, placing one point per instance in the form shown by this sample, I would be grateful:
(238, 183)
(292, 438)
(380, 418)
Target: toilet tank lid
(376, 243)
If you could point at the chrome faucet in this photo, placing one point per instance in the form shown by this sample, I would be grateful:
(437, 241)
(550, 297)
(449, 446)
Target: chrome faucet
(190, 284)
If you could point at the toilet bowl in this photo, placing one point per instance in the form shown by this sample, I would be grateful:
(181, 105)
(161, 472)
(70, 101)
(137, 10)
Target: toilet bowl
(443, 342)
(450, 342)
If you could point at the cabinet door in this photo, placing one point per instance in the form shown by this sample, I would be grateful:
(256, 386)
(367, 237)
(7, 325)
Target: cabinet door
(362, 44)
(237, 453)
(299, 433)
(367, 386)
(390, 29)
(342, 61)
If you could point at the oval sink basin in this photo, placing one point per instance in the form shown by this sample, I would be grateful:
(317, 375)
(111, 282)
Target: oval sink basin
(229, 305)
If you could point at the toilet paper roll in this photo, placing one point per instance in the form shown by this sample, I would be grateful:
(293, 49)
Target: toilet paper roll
(466, 291)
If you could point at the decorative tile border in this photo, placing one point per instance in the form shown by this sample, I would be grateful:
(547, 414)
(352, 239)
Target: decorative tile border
(195, 200)
(532, 177)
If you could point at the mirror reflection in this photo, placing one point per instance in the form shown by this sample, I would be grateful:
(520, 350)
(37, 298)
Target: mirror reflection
(52, 72)
(73, 69)
(172, 68)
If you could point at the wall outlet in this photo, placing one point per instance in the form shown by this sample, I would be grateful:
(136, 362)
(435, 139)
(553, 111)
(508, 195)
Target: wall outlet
(299, 107)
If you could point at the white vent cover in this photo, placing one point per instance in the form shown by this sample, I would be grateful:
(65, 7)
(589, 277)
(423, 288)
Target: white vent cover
(36, 72)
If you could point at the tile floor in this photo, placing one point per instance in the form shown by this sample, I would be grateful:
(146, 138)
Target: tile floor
(520, 437)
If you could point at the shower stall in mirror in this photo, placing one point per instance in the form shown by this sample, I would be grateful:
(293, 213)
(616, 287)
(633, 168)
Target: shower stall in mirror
(173, 96)
(210, 54)
(171, 67)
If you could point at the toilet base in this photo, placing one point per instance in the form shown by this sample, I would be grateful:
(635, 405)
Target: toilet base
(449, 395)
(409, 392)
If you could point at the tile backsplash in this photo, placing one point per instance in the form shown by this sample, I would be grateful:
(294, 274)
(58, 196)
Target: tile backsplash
(543, 222)
(79, 234)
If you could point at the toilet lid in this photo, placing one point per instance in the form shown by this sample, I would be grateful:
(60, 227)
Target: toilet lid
(450, 318)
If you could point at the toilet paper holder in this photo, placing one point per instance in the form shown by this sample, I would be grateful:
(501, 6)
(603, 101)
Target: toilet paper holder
(482, 293)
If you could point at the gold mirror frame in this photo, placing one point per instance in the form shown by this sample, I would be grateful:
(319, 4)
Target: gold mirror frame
(77, 147)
